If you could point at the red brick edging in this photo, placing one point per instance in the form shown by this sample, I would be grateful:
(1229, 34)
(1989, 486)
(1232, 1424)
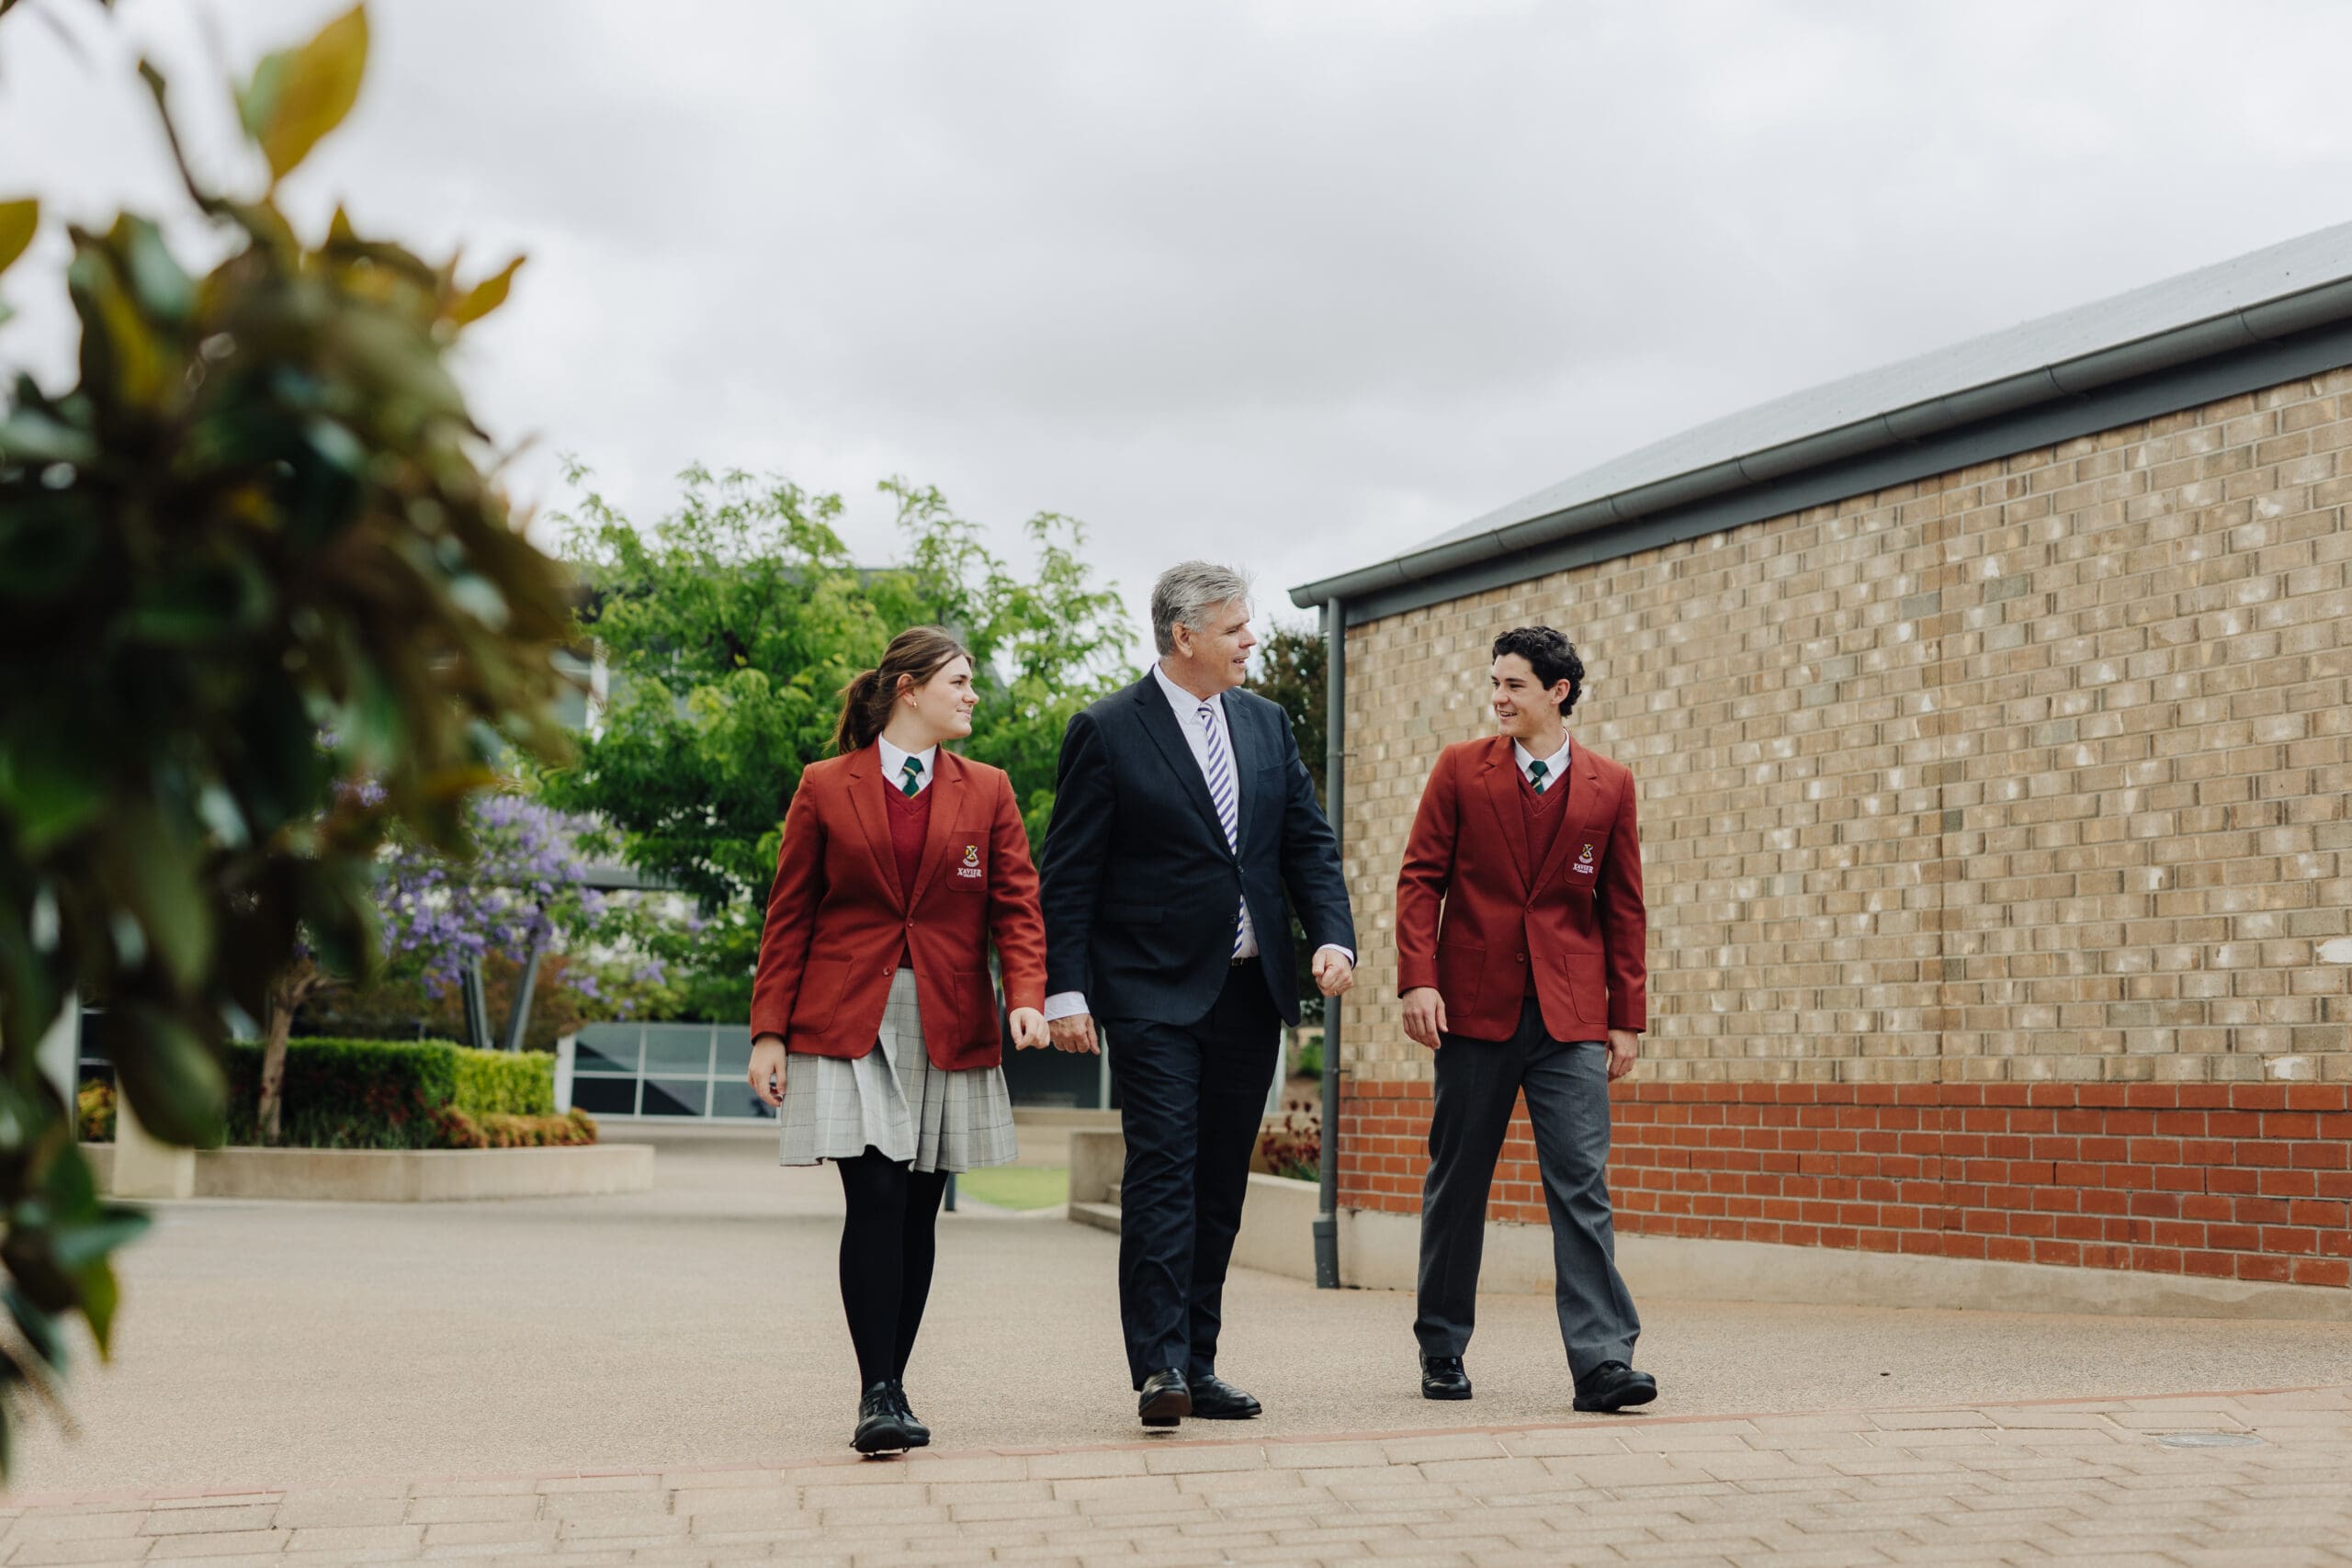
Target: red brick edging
(2245, 1181)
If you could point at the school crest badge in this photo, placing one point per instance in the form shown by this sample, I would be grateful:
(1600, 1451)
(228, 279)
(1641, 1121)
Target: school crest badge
(971, 867)
(1583, 866)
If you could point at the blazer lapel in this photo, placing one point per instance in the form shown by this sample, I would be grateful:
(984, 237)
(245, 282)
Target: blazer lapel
(1582, 806)
(865, 787)
(1159, 721)
(946, 803)
(1501, 777)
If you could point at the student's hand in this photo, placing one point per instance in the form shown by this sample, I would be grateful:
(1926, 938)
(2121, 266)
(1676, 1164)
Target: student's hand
(1334, 973)
(1425, 1016)
(1074, 1034)
(1624, 1045)
(1029, 1031)
(767, 1068)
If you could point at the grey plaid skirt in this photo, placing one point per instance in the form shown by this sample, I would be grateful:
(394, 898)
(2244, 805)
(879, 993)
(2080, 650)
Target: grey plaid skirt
(893, 1099)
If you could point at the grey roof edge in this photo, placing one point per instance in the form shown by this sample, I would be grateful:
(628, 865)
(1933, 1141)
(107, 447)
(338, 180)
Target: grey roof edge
(2260, 322)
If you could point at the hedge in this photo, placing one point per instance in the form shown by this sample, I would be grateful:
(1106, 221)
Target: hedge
(396, 1094)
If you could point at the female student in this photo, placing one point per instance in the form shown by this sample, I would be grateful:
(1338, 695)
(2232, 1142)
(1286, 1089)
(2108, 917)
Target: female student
(874, 1023)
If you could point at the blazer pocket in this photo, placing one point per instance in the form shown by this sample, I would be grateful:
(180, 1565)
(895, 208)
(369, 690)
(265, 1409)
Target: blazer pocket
(1131, 914)
(1589, 986)
(819, 995)
(965, 869)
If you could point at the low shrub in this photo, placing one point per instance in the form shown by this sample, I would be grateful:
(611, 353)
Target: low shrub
(388, 1094)
(498, 1130)
(93, 1112)
(504, 1083)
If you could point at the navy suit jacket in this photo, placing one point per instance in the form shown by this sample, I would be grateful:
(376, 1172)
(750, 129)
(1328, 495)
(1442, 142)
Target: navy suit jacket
(1138, 885)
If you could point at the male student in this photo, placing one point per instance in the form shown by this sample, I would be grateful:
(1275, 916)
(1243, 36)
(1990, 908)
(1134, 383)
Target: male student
(1519, 929)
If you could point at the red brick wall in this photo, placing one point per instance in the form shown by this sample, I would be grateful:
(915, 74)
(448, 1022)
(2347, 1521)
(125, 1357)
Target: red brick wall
(2247, 1181)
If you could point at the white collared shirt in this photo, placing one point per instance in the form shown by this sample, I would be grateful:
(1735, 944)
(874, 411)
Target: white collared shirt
(1555, 766)
(894, 765)
(1187, 708)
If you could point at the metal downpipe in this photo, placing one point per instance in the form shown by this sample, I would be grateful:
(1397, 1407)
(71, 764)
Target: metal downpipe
(1335, 753)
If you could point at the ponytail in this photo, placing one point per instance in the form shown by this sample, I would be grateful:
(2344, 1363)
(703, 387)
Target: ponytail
(916, 654)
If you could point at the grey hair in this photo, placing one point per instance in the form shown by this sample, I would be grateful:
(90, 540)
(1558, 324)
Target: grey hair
(1186, 592)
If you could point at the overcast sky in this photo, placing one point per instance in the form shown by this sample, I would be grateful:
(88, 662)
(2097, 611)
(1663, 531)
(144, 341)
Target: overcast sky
(1295, 286)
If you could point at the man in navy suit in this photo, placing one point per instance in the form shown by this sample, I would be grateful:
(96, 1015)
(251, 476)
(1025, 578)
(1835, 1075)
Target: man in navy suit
(1185, 830)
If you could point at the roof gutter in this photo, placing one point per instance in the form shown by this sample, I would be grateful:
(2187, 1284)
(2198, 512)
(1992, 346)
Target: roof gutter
(2246, 327)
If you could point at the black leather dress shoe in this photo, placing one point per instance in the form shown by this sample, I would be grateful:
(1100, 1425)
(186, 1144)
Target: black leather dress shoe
(1442, 1378)
(1214, 1399)
(880, 1428)
(1613, 1385)
(917, 1434)
(1165, 1398)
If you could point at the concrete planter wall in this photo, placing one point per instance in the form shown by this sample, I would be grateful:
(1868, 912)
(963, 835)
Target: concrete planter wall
(1277, 1218)
(406, 1176)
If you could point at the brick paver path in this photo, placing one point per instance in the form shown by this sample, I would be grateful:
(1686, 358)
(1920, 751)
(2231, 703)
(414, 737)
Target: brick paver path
(2082, 1481)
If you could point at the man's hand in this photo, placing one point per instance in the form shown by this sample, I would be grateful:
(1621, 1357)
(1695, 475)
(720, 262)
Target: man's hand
(1075, 1034)
(1624, 1044)
(1334, 973)
(766, 1075)
(1425, 1016)
(1029, 1031)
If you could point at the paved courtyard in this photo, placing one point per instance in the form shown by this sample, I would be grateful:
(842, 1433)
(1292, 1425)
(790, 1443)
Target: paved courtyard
(661, 1378)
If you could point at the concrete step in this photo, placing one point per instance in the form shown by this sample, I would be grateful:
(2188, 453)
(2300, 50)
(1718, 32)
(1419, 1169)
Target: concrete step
(1102, 1216)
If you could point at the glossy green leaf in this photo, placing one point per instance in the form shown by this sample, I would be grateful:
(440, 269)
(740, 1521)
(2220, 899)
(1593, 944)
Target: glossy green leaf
(157, 281)
(18, 221)
(308, 94)
(171, 1076)
(49, 795)
(486, 296)
(161, 874)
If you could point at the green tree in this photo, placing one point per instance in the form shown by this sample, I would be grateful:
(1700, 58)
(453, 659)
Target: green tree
(729, 629)
(1293, 668)
(260, 515)
(1292, 662)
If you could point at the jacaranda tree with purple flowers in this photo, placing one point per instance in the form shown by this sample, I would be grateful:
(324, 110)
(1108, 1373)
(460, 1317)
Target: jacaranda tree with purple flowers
(519, 893)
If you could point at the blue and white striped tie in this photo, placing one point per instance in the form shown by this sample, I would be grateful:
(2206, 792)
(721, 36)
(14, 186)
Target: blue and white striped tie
(1221, 792)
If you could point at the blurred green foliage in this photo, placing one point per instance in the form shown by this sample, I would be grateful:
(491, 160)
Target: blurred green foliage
(250, 558)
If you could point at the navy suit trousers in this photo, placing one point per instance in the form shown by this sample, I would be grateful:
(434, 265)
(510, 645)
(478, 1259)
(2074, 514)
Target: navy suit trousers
(1191, 1097)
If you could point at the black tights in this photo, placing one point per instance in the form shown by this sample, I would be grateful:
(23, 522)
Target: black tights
(887, 1252)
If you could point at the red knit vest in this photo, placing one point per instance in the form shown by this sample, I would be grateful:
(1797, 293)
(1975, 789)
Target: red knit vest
(910, 822)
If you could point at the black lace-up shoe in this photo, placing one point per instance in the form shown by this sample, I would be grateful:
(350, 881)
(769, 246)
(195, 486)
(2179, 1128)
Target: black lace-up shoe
(1613, 1385)
(880, 1428)
(1442, 1378)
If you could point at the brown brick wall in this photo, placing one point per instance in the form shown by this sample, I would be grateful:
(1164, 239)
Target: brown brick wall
(2031, 772)
(2243, 1181)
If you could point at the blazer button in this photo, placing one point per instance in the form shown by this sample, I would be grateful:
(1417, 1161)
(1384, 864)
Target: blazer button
(1519, 957)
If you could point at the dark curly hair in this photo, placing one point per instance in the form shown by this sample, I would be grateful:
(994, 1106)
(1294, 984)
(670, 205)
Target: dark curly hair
(1550, 655)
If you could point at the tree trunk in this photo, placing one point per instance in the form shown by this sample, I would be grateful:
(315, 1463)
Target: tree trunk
(273, 1062)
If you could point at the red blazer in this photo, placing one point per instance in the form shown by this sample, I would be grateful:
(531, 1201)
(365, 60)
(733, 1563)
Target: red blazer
(837, 922)
(1578, 919)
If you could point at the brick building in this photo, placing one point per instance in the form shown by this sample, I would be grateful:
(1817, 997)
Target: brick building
(1990, 714)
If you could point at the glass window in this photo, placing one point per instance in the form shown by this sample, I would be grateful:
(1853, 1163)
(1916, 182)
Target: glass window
(608, 1048)
(732, 1101)
(734, 1054)
(677, 1097)
(605, 1097)
(678, 1049)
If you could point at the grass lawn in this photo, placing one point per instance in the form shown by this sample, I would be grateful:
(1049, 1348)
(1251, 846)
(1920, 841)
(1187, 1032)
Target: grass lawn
(1016, 1186)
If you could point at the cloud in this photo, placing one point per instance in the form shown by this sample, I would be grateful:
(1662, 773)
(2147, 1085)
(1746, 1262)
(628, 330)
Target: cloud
(1293, 284)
